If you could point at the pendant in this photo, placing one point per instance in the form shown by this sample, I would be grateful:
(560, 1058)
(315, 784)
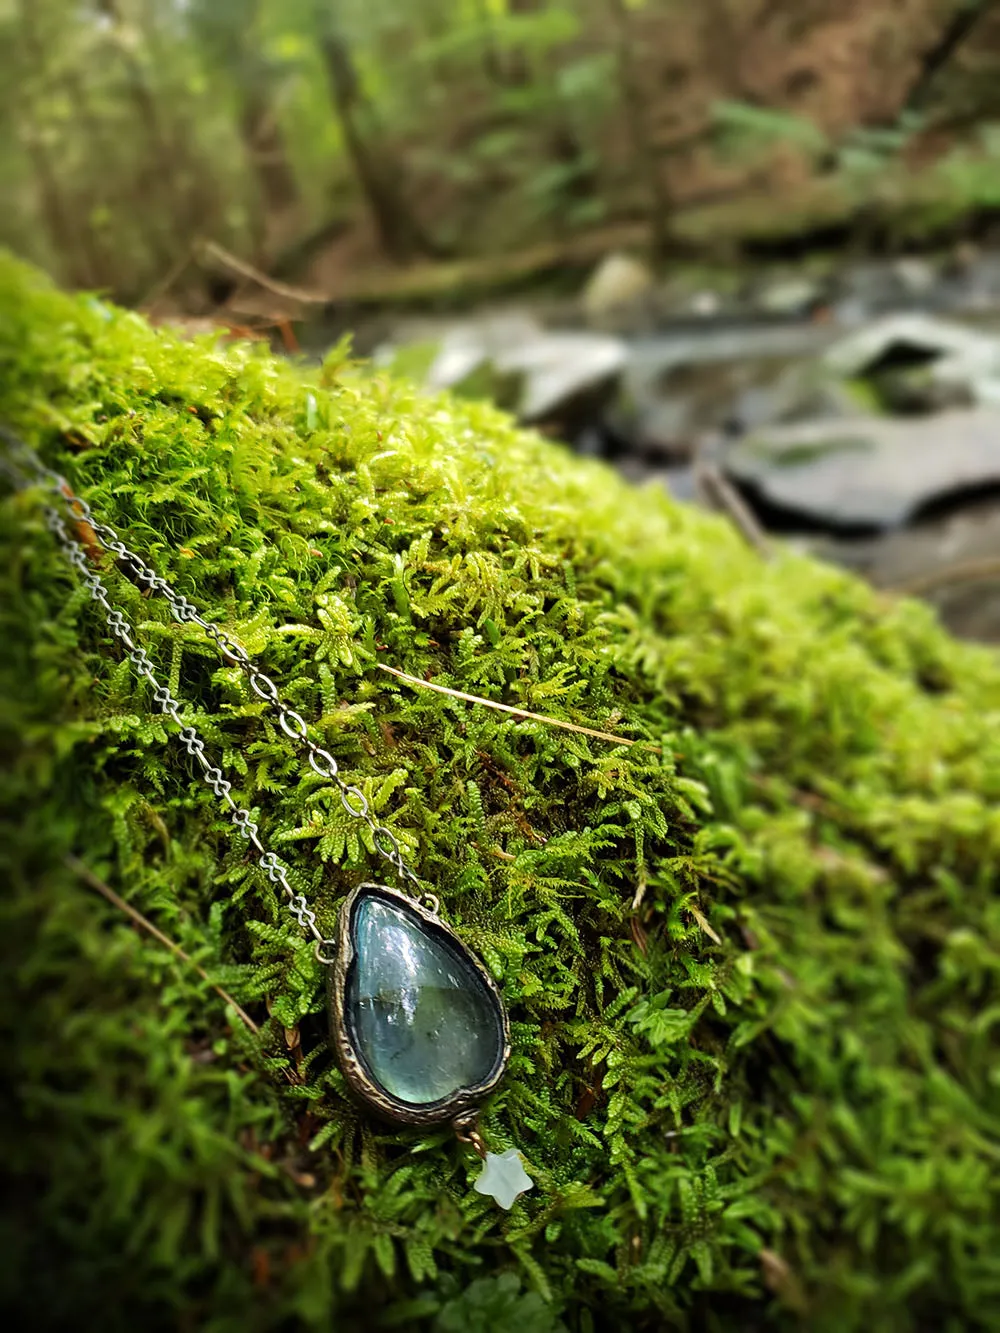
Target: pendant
(418, 1025)
(504, 1178)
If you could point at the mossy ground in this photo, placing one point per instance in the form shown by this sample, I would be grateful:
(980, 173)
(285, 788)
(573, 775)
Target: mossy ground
(768, 1095)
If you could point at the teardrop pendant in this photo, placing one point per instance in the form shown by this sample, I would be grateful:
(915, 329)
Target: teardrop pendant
(419, 1028)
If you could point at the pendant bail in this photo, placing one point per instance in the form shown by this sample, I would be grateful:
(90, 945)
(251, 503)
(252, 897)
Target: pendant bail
(321, 956)
(466, 1129)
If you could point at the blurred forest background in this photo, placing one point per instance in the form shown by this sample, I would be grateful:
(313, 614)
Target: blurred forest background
(322, 141)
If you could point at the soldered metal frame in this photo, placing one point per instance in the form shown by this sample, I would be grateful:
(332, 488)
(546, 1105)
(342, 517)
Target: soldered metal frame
(461, 1105)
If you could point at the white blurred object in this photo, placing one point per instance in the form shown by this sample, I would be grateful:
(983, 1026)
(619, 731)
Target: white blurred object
(619, 280)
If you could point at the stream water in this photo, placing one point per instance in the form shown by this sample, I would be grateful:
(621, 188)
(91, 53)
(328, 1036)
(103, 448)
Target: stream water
(859, 413)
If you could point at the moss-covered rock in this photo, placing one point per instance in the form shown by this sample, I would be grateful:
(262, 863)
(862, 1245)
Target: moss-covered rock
(751, 960)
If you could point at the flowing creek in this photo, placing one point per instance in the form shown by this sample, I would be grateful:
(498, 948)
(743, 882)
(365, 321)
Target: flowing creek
(857, 415)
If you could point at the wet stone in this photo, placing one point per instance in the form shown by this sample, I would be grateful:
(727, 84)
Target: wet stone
(420, 1017)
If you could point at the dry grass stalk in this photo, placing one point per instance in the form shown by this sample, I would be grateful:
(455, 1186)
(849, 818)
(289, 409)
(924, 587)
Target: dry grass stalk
(516, 712)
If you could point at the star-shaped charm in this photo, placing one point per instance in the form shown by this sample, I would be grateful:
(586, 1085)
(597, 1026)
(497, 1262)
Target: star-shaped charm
(503, 1177)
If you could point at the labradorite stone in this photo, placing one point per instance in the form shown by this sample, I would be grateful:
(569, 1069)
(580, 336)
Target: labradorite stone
(420, 1017)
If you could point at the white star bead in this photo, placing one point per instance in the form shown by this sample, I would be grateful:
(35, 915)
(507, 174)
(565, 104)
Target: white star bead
(503, 1177)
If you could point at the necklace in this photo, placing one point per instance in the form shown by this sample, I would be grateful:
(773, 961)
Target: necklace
(417, 1024)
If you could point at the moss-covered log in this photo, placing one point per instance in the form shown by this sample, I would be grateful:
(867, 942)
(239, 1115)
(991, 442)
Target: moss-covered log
(751, 960)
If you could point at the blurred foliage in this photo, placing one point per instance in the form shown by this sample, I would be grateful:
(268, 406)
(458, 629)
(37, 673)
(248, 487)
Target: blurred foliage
(139, 125)
(130, 129)
(752, 962)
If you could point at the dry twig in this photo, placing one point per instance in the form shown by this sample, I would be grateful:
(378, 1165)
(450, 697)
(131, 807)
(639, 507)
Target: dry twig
(163, 285)
(704, 923)
(724, 495)
(87, 875)
(968, 571)
(516, 712)
(222, 256)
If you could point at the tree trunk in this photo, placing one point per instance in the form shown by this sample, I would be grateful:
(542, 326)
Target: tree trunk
(492, 65)
(644, 151)
(267, 156)
(100, 185)
(266, 150)
(399, 233)
(155, 181)
(69, 236)
(721, 46)
(955, 34)
(138, 86)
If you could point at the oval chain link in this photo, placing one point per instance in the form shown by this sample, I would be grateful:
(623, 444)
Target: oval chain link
(241, 818)
(294, 726)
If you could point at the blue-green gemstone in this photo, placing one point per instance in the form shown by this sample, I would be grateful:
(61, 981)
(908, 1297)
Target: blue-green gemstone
(421, 1019)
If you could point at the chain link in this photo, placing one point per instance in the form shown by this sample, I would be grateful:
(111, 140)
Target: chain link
(294, 726)
(240, 817)
(292, 723)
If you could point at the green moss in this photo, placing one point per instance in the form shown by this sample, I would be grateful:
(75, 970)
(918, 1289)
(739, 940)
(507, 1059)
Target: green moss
(768, 1094)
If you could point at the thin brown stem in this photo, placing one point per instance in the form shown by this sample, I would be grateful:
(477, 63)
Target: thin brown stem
(644, 152)
(163, 285)
(87, 875)
(516, 712)
(720, 491)
(968, 571)
(212, 250)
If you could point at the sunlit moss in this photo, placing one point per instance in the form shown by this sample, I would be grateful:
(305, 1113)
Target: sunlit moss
(751, 962)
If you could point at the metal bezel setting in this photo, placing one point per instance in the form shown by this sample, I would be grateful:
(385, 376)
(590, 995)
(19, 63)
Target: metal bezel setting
(74, 515)
(461, 1103)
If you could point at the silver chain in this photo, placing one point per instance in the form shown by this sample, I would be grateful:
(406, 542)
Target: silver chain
(292, 723)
